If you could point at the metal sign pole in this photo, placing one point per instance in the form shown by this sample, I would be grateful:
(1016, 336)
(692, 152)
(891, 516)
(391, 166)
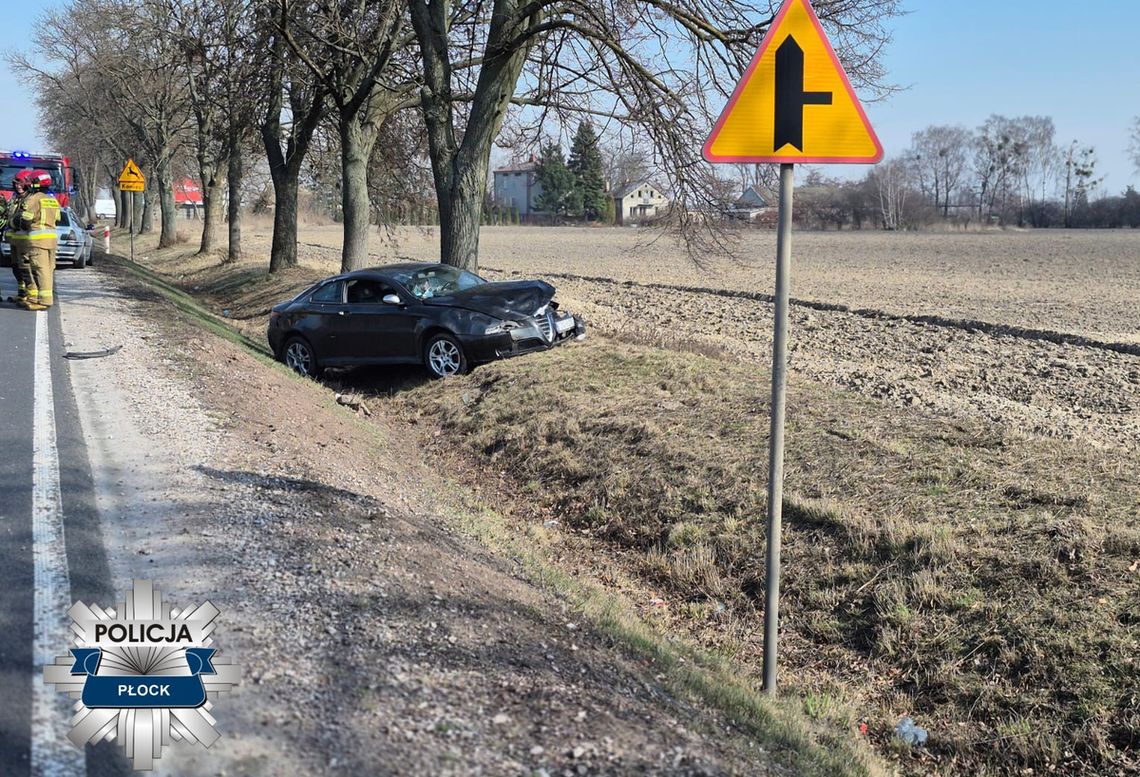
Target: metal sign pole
(776, 439)
(131, 211)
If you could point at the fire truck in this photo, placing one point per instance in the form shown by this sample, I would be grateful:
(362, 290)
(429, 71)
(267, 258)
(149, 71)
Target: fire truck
(57, 165)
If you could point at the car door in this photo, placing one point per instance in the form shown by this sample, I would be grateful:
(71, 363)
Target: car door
(323, 321)
(378, 331)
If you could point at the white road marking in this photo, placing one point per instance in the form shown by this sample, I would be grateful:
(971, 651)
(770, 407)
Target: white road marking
(52, 753)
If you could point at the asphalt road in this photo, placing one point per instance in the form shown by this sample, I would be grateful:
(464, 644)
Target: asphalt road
(45, 491)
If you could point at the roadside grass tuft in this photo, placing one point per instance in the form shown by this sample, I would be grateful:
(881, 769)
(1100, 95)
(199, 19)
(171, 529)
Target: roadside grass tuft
(986, 585)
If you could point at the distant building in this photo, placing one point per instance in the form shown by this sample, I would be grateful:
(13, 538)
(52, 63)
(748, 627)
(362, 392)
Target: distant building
(751, 205)
(516, 186)
(641, 201)
(188, 197)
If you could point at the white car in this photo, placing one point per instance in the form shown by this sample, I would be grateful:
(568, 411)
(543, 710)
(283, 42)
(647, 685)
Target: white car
(105, 208)
(75, 243)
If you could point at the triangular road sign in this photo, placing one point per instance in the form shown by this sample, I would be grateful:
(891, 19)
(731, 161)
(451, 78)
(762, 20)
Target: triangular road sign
(794, 103)
(131, 179)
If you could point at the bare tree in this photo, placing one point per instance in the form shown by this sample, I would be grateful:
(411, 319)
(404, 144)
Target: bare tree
(353, 48)
(625, 165)
(196, 26)
(71, 95)
(93, 155)
(892, 181)
(941, 156)
(998, 159)
(1039, 170)
(128, 39)
(287, 130)
(605, 58)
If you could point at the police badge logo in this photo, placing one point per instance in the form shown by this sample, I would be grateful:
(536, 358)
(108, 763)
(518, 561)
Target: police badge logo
(142, 675)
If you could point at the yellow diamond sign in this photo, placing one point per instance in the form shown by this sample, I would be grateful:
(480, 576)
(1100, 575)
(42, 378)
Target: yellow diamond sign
(794, 103)
(131, 179)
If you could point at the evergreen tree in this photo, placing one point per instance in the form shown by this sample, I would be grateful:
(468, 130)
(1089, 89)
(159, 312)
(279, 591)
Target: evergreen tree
(558, 197)
(589, 178)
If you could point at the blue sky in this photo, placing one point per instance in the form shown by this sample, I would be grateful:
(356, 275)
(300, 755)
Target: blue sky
(961, 59)
(964, 60)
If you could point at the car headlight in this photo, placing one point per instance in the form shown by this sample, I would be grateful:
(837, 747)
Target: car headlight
(502, 326)
(70, 237)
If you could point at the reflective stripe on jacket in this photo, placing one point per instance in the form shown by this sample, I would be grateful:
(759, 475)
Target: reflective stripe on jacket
(39, 215)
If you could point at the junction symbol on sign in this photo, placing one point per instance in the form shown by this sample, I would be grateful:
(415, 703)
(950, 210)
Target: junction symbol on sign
(794, 103)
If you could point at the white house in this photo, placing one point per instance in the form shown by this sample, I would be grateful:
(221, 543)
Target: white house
(516, 186)
(639, 201)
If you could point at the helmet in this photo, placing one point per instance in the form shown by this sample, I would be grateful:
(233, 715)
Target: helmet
(24, 177)
(41, 179)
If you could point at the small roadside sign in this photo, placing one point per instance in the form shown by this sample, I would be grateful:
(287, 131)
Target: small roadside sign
(131, 179)
(794, 103)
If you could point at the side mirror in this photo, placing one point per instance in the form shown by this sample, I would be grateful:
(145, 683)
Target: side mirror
(391, 299)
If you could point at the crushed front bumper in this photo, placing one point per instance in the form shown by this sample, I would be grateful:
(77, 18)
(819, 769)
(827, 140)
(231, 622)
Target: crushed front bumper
(530, 338)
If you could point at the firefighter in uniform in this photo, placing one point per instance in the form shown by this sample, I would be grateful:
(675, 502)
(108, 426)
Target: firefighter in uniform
(3, 230)
(18, 237)
(38, 214)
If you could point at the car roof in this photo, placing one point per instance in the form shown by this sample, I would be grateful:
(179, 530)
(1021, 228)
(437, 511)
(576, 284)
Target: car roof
(382, 271)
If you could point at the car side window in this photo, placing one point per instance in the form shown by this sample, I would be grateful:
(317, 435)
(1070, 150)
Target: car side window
(330, 292)
(367, 292)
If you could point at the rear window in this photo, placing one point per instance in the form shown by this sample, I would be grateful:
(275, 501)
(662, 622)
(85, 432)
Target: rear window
(64, 219)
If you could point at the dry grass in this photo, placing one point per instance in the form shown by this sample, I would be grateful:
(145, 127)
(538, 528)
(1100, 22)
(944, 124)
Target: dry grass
(986, 586)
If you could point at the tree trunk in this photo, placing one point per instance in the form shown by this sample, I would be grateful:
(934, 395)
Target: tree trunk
(459, 211)
(87, 194)
(233, 253)
(283, 252)
(459, 166)
(165, 186)
(356, 144)
(144, 210)
(212, 209)
(122, 210)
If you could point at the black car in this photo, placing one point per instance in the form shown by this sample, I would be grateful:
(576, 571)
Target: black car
(432, 314)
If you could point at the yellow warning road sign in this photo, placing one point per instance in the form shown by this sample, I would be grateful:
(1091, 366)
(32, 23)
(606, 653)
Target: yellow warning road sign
(794, 103)
(131, 179)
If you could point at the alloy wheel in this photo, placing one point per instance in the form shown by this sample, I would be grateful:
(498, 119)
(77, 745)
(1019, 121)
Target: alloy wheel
(445, 358)
(299, 358)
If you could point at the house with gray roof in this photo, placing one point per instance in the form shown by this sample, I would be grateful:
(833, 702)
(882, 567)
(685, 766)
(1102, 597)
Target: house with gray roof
(640, 201)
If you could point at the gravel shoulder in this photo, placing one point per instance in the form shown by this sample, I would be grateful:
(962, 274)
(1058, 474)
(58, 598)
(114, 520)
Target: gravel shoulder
(373, 639)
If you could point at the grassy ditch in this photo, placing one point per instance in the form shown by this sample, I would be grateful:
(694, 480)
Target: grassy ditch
(986, 586)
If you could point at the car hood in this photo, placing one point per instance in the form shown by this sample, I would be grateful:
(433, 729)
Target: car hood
(506, 299)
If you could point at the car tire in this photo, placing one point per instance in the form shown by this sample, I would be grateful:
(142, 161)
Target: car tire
(80, 261)
(444, 356)
(300, 357)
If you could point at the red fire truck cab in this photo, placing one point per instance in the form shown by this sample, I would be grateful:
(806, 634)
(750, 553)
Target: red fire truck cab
(57, 165)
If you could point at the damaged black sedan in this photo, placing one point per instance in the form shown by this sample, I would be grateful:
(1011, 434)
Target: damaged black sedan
(442, 317)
